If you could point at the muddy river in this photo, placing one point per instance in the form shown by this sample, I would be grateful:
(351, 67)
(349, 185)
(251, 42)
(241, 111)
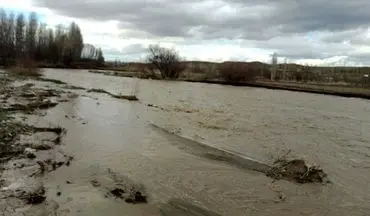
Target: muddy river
(116, 135)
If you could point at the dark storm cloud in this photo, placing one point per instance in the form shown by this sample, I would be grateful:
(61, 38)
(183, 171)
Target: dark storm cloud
(251, 19)
(276, 25)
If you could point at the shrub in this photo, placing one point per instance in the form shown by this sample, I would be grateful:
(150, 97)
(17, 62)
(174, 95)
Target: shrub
(237, 72)
(147, 71)
(26, 67)
(167, 61)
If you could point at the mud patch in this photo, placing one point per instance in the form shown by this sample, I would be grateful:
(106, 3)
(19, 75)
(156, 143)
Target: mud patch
(27, 152)
(208, 126)
(298, 171)
(74, 87)
(125, 97)
(120, 187)
(35, 197)
(40, 140)
(174, 109)
(57, 130)
(31, 106)
(50, 80)
(177, 207)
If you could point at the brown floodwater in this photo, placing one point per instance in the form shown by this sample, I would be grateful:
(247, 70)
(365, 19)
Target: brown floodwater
(106, 133)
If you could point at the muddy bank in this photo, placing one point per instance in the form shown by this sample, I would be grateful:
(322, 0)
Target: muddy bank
(342, 91)
(124, 97)
(351, 92)
(178, 207)
(27, 152)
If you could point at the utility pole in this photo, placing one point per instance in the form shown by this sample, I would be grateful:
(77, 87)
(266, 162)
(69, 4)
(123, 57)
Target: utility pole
(273, 66)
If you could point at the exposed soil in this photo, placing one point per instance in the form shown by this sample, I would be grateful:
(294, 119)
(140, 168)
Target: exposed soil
(297, 170)
(177, 207)
(50, 80)
(125, 97)
(27, 152)
(174, 109)
(31, 106)
(120, 187)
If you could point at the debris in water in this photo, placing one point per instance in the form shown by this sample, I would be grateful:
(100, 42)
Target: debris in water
(59, 193)
(95, 183)
(126, 97)
(31, 106)
(42, 166)
(118, 192)
(139, 198)
(35, 197)
(51, 80)
(297, 170)
(54, 165)
(30, 153)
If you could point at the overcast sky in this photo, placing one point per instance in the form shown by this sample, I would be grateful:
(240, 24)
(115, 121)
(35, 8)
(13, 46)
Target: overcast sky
(303, 31)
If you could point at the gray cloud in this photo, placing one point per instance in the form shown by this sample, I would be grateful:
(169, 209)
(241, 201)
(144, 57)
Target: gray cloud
(266, 24)
(131, 52)
(236, 18)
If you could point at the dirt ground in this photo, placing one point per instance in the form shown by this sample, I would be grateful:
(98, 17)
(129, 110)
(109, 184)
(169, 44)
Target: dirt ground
(28, 152)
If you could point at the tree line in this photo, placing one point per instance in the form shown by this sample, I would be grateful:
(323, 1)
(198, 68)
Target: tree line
(25, 38)
(171, 66)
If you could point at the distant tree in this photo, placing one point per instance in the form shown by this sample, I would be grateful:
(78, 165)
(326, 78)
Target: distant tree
(3, 28)
(31, 35)
(9, 39)
(30, 42)
(167, 61)
(73, 44)
(20, 36)
(237, 72)
(100, 58)
(60, 42)
(41, 47)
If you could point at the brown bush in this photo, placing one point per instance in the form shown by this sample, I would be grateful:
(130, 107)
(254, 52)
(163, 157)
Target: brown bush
(25, 67)
(167, 61)
(237, 72)
(147, 71)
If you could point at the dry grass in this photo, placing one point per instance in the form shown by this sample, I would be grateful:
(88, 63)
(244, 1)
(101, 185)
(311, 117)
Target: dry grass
(22, 71)
(25, 67)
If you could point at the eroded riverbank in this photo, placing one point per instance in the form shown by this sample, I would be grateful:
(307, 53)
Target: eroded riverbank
(28, 152)
(117, 153)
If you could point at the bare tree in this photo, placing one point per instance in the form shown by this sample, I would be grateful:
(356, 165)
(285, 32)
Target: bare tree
(33, 42)
(73, 44)
(167, 61)
(9, 39)
(20, 36)
(31, 35)
(3, 28)
(100, 57)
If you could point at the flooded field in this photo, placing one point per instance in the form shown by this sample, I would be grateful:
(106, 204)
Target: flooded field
(114, 142)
